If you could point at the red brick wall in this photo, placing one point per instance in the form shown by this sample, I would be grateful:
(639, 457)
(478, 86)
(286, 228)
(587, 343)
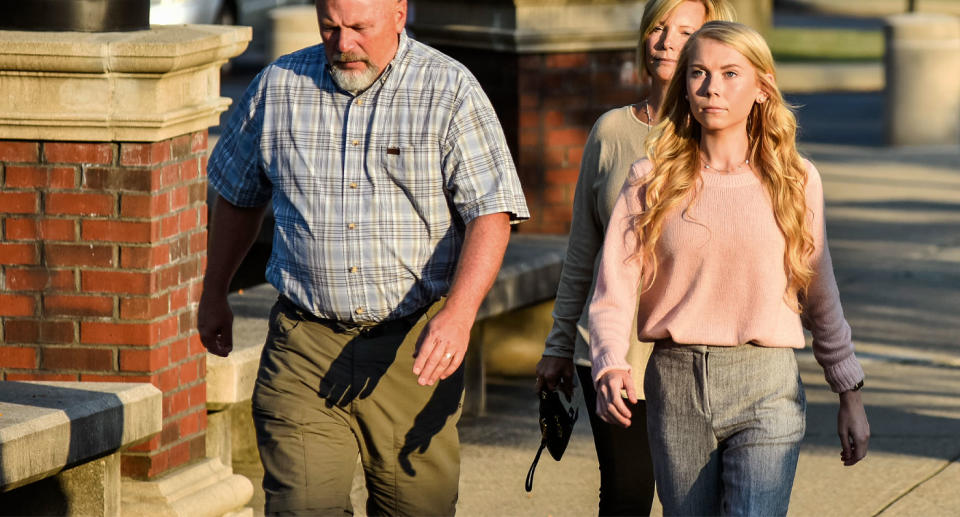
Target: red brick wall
(547, 104)
(560, 98)
(102, 247)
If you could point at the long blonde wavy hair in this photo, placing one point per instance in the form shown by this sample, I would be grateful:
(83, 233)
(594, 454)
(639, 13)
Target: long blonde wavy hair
(656, 10)
(674, 152)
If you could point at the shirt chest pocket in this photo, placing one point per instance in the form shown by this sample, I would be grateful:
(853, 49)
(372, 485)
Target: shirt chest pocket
(410, 170)
(410, 192)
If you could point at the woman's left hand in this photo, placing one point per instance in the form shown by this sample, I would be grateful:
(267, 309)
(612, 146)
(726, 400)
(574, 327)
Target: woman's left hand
(853, 428)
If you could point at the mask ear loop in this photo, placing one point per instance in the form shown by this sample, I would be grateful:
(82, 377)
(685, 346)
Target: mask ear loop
(528, 485)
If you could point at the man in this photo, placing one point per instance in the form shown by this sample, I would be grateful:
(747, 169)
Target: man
(392, 192)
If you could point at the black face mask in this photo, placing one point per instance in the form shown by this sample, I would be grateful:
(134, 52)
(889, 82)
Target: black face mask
(556, 426)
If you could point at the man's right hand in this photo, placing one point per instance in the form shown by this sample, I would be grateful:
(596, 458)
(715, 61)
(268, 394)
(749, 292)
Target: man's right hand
(215, 324)
(233, 229)
(555, 372)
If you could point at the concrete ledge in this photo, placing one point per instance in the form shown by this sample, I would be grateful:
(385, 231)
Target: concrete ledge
(230, 379)
(530, 273)
(48, 426)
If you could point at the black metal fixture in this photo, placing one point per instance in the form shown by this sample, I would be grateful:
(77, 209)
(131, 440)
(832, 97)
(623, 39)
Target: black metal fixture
(75, 15)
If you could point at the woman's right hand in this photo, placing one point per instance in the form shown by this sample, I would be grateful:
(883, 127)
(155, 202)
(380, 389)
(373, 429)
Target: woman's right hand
(555, 372)
(610, 406)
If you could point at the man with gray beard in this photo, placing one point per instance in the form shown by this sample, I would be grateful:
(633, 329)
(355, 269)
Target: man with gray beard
(393, 192)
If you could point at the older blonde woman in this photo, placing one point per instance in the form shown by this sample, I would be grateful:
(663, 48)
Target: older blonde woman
(616, 141)
(721, 232)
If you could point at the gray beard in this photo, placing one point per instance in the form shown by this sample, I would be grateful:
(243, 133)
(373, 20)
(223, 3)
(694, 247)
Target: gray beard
(355, 82)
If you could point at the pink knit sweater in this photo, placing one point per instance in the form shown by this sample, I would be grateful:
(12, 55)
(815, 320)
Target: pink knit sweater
(721, 279)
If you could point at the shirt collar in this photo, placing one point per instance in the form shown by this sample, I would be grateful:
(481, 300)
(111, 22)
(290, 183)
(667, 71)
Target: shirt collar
(402, 48)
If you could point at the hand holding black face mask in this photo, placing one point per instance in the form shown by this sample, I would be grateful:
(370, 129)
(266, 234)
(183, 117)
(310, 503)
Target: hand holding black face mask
(556, 426)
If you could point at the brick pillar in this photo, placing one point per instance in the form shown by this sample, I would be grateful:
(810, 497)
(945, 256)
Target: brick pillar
(103, 248)
(103, 239)
(550, 70)
(561, 96)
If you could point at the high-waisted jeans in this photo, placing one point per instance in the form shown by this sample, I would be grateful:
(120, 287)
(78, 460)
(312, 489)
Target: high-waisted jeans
(725, 425)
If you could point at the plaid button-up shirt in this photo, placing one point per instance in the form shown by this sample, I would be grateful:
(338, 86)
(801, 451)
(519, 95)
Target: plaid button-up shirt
(371, 193)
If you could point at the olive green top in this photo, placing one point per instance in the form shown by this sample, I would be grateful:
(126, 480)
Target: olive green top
(615, 143)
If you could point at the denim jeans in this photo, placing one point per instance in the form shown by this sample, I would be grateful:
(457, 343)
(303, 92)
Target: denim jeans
(725, 426)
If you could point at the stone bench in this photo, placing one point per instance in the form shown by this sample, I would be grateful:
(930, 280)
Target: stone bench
(60, 443)
(529, 276)
(527, 281)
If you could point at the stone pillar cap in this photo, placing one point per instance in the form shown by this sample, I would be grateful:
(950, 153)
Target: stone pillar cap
(142, 86)
(162, 49)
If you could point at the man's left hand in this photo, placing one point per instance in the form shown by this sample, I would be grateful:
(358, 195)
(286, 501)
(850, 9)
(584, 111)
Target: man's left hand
(441, 347)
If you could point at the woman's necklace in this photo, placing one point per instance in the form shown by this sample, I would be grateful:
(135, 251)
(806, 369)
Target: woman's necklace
(724, 171)
(646, 111)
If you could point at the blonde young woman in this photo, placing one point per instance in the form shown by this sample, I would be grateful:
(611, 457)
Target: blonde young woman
(616, 141)
(722, 229)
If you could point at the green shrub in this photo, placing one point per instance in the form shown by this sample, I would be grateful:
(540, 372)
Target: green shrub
(810, 44)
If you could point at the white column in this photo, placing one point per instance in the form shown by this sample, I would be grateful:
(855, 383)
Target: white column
(922, 68)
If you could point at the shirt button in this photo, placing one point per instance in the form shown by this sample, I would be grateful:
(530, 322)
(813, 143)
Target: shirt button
(356, 142)
(351, 226)
(353, 269)
(359, 310)
(353, 184)
(360, 102)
